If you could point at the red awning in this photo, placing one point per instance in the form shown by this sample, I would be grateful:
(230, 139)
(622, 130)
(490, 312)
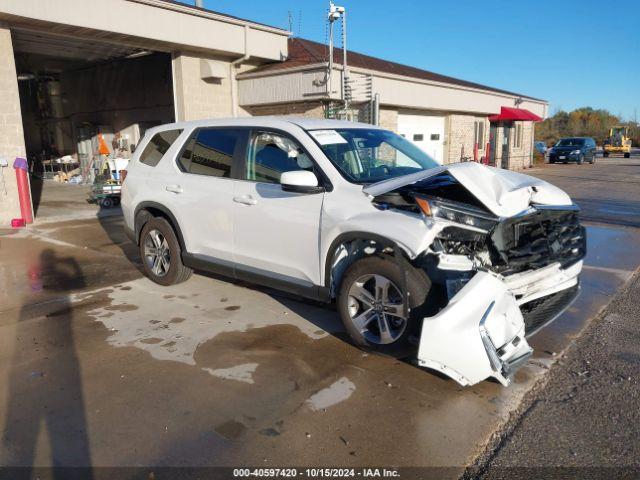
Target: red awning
(508, 114)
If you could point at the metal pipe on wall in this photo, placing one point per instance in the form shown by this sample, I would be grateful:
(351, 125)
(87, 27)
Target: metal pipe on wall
(232, 72)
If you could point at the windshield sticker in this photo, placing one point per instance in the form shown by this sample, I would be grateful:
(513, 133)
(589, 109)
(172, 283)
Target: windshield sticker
(327, 137)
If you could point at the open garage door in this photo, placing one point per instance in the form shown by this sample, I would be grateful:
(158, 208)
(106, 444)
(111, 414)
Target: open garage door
(85, 105)
(426, 131)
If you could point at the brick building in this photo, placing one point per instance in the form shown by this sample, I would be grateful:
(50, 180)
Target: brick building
(444, 115)
(74, 71)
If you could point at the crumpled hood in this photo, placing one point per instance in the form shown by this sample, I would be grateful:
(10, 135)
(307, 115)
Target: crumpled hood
(503, 192)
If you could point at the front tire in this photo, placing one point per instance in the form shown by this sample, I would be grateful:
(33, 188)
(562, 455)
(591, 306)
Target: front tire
(161, 253)
(580, 160)
(371, 304)
(627, 155)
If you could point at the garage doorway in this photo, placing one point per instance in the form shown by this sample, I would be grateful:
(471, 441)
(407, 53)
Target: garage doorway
(426, 131)
(85, 105)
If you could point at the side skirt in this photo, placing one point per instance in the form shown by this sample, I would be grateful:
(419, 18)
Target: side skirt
(257, 276)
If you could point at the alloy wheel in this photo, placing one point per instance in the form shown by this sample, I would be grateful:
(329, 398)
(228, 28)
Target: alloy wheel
(156, 253)
(376, 309)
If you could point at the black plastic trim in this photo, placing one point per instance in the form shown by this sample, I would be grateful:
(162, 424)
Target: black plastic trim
(347, 237)
(167, 212)
(257, 276)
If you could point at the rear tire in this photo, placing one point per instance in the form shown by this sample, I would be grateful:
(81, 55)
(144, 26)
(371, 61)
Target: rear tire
(627, 155)
(374, 319)
(605, 154)
(161, 253)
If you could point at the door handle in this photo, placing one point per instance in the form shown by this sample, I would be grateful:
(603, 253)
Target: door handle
(173, 188)
(245, 200)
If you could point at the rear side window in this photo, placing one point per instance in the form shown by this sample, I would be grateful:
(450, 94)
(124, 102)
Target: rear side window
(158, 146)
(210, 152)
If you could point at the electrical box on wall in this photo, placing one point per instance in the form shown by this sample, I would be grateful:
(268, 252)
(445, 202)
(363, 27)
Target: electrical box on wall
(213, 69)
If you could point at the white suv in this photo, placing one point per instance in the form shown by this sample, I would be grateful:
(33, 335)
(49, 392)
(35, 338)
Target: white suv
(459, 263)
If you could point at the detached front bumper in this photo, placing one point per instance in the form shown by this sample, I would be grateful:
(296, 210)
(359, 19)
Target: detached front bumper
(482, 332)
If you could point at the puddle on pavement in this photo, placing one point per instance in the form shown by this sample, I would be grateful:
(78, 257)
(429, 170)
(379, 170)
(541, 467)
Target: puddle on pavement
(612, 248)
(231, 430)
(337, 392)
(240, 373)
(127, 317)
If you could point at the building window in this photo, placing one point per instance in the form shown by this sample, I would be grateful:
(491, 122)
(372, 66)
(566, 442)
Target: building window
(435, 136)
(210, 152)
(518, 139)
(418, 137)
(478, 133)
(158, 146)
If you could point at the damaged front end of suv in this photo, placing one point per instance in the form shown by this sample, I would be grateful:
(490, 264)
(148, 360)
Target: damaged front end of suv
(504, 249)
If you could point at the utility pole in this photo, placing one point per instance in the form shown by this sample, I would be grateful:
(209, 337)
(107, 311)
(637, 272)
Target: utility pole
(338, 13)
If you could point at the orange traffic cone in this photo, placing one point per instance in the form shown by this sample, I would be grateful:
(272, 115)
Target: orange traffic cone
(102, 146)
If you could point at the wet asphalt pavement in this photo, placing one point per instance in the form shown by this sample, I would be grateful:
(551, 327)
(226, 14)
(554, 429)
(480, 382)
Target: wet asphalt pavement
(585, 419)
(101, 367)
(582, 420)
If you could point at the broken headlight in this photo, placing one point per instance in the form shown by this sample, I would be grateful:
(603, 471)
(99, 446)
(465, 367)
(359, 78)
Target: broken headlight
(460, 213)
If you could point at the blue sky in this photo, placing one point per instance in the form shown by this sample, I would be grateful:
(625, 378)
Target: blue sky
(565, 51)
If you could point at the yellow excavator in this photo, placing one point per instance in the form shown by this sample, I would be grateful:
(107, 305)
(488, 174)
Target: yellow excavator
(618, 141)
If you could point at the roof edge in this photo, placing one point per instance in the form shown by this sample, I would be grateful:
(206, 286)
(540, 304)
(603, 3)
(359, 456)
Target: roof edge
(317, 66)
(278, 68)
(211, 14)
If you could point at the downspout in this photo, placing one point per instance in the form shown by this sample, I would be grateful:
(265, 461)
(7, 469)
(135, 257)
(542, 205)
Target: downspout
(232, 71)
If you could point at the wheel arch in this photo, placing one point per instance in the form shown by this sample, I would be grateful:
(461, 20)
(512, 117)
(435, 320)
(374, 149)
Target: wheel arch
(349, 247)
(145, 211)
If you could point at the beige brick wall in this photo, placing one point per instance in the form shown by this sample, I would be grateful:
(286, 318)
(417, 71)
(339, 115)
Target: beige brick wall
(389, 119)
(519, 157)
(198, 99)
(460, 133)
(11, 133)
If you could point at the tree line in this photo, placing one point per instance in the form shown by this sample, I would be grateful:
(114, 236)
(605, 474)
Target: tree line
(582, 122)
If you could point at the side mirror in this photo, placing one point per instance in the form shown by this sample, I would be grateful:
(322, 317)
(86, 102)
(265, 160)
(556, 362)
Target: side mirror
(300, 181)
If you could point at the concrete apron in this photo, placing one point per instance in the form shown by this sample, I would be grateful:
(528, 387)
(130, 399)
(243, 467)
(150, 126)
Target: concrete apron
(215, 373)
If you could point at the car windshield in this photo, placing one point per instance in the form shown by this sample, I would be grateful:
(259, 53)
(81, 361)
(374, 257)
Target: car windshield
(570, 142)
(371, 155)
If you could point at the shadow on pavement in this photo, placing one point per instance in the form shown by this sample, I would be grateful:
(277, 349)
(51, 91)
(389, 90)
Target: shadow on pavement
(45, 397)
(36, 193)
(112, 222)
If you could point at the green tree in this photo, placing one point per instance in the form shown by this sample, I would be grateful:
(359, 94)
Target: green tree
(582, 122)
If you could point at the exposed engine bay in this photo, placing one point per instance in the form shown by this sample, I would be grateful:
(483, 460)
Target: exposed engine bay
(503, 277)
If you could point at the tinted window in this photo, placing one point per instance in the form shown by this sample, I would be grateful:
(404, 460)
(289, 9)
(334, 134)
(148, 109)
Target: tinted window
(210, 152)
(570, 142)
(271, 154)
(158, 146)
